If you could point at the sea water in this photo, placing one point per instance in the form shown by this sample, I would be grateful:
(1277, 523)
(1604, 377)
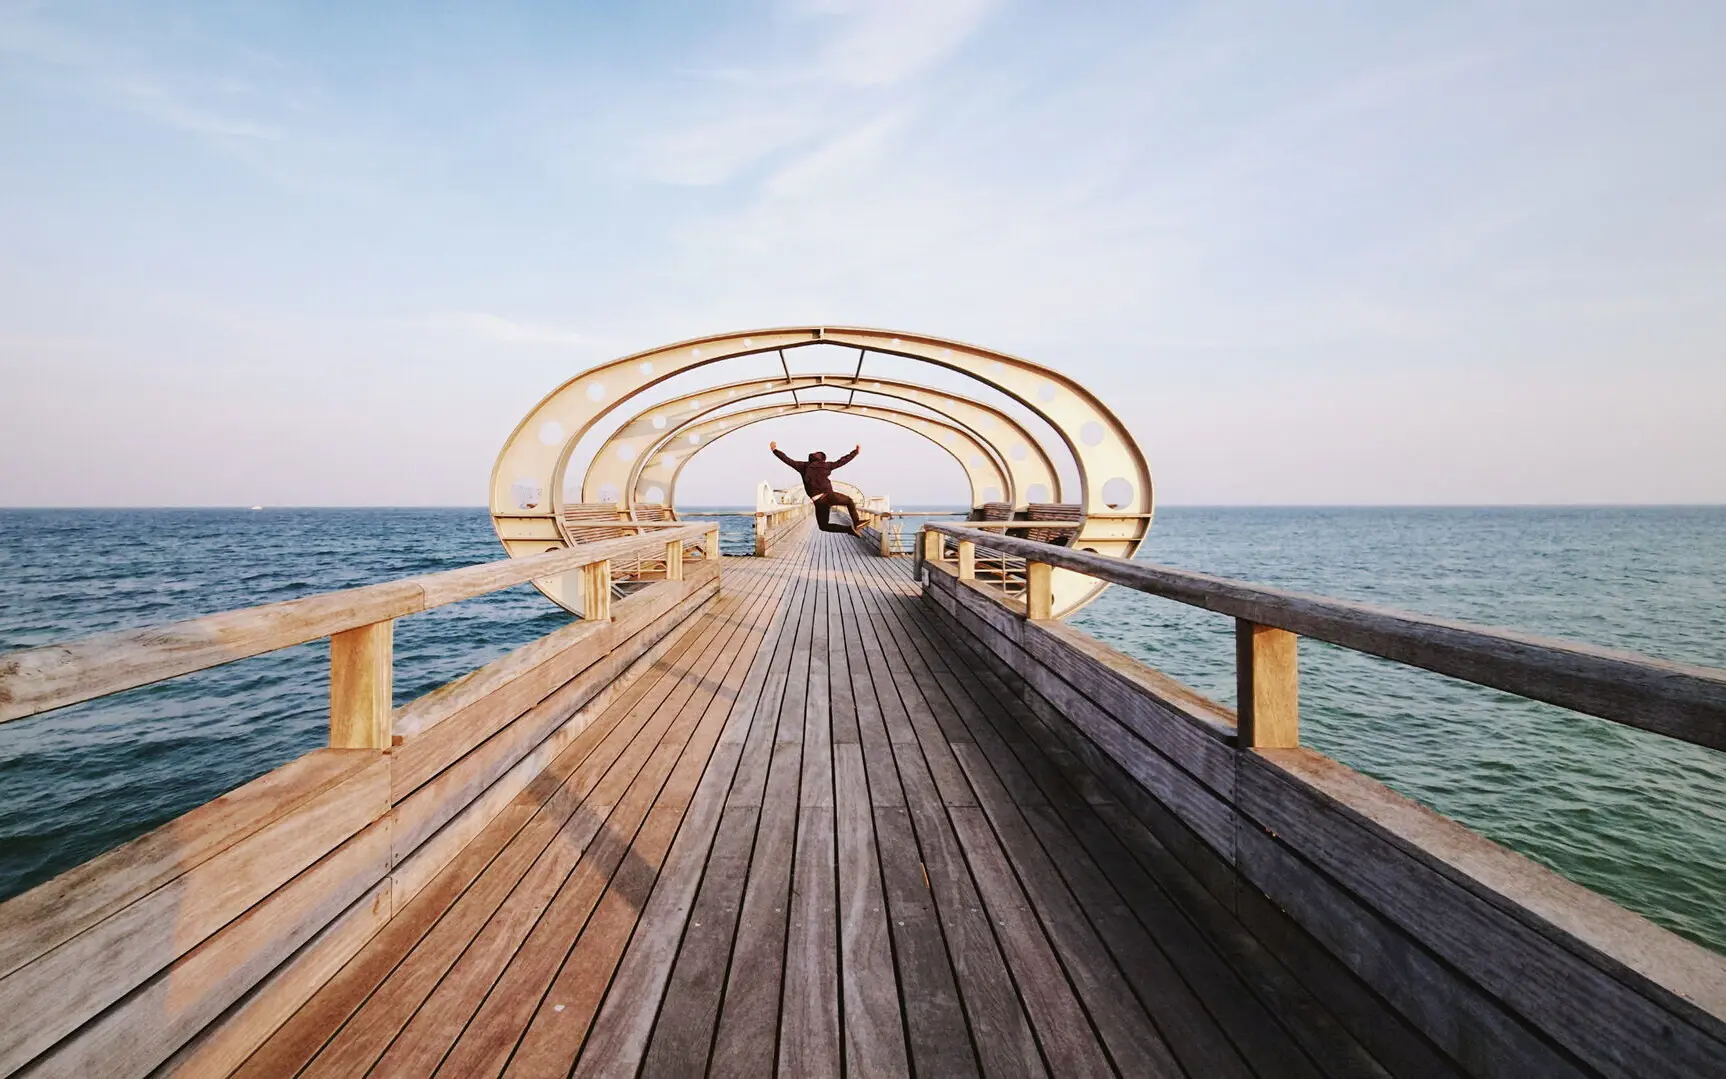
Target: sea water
(1636, 816)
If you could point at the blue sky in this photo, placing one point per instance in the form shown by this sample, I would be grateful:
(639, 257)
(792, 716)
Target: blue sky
(1319, 253)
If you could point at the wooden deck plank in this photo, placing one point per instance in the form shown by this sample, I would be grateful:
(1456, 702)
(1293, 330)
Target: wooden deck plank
(1194, 1036)
(746, 1042)
(683, 1035)
(1247, 966)
(369, 1033)
(680, 1043)
(574, 814)
(493, 1032)
(1252, 1030)
(935, 1025)
(620, 1035)
(936, 1030)
(1311, 1024)
(1126, 1030)
(867, 705)
(817, 786)
(298, 1040)
(556, 1036)
(809, 1034)
(445, 1013)
(1061, 1022)
(874, 1028)
(1000, 1030)
(830, 834)
(809, 1040)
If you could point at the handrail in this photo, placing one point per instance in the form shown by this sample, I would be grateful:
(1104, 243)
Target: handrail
(1008, 526)
(1680, 700)
(770, 524)
(37, 680)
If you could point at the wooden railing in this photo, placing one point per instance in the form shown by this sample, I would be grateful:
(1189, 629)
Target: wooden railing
(882, 530)
(1505, 965)
(771, 526)
(179, 952)
(1679, 700)
(360, 623)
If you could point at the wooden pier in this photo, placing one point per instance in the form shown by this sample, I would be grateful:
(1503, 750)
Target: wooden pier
(830, 812)
(819, 835)
(804, 815)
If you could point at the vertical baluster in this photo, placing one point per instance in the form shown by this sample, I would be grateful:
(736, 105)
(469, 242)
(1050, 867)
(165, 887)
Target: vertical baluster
(361, 686)
(967, 560)
(674, 560)
(1039, 596)
(1267, 683)
(596, 591)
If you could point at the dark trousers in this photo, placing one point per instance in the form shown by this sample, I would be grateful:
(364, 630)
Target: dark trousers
(824, 507)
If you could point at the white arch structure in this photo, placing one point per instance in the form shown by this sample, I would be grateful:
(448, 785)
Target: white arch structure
(660, 468)
(1115, 495)
(622, 469)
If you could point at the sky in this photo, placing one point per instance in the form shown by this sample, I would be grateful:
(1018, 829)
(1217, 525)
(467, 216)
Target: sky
(1328, 253)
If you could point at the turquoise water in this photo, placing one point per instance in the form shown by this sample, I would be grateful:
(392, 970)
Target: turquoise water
(1635, 816)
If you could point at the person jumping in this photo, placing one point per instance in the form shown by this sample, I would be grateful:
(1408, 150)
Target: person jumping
(820, 489)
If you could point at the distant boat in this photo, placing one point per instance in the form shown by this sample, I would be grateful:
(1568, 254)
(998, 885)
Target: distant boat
(257, 507)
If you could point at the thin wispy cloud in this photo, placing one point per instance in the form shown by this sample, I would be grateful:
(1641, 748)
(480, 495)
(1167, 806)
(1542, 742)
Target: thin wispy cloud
(203, 101)
(838, 62)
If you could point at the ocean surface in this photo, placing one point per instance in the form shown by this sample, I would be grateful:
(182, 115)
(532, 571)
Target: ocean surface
(1633, 815)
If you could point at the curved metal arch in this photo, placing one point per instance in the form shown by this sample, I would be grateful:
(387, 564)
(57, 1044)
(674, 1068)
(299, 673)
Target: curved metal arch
(619, 460)
(1115, 483)
(605, 469)
(665, 465)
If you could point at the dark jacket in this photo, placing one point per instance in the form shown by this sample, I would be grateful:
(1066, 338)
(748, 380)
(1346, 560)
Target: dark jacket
(814, 471)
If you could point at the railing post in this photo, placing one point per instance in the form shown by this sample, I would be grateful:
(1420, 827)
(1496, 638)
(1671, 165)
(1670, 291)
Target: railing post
(967, 560)
(1039, 597)
(674, 560)
(1267, 685)
(761, 535)
(596, 591)
(712, 544)
(362, 686)
(932, 546)
(886, 542)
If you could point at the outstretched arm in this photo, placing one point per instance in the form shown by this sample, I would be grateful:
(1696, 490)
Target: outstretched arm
(845, 460)
(777, 452)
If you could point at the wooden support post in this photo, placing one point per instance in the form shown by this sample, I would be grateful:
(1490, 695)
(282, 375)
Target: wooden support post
(760, 535)
(712, 543)
(361, 686)
(886, 541)
(1039, 597)
(933, 545)
(674, 560)
(596, 591)
(967, 560)
(1267, 682)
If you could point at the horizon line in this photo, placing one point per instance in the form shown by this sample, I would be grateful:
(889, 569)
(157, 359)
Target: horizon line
(694, 506)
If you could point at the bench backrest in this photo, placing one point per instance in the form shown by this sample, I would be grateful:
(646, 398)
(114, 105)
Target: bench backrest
(1052, 511)
(590, 522)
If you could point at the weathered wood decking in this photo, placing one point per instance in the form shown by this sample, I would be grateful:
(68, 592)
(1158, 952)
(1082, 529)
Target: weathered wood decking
(823, 837)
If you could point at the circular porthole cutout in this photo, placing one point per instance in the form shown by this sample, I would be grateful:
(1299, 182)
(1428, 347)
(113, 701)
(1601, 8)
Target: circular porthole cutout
(1117, 492)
